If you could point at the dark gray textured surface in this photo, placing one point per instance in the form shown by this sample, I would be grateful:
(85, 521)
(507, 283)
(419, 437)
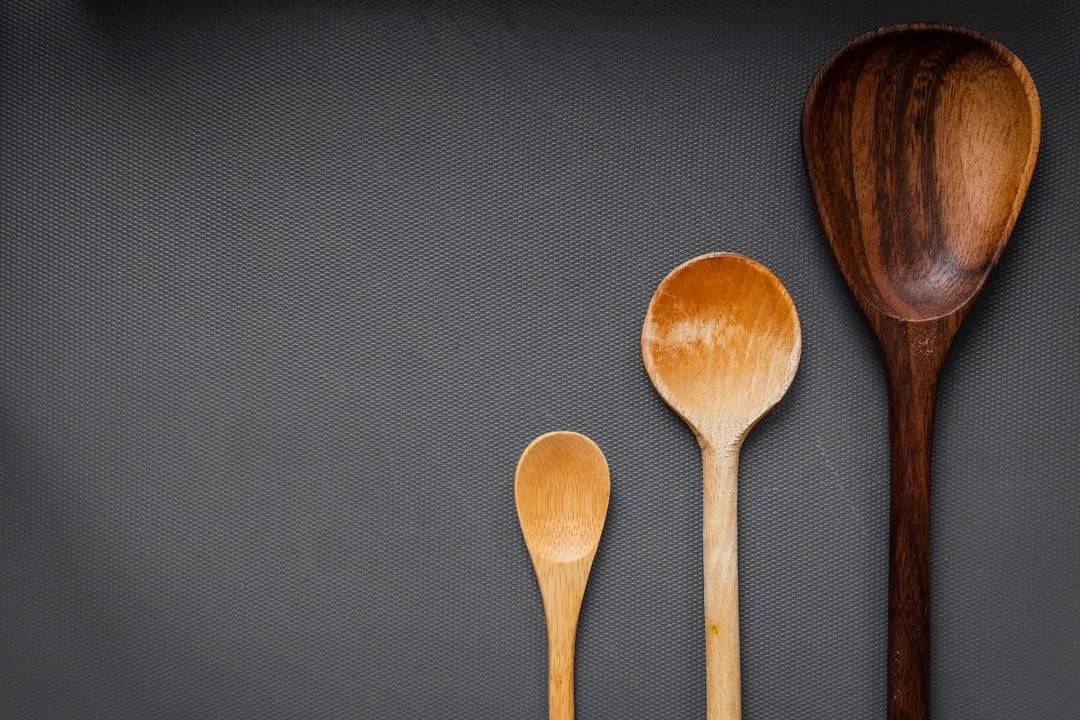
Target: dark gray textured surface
(286, 289)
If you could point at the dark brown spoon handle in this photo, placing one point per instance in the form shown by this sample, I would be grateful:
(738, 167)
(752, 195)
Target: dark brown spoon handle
(913, 356)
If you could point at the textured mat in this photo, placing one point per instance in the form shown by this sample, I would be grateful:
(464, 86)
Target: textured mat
(285, 289)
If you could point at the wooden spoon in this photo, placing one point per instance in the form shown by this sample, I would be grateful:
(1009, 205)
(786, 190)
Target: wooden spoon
(721, 345)
(920, 141)
(561, 489)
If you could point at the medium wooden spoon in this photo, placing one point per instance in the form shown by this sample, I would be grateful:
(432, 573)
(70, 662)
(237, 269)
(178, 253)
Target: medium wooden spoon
(561, 489)
(721, 345)
(920, 141)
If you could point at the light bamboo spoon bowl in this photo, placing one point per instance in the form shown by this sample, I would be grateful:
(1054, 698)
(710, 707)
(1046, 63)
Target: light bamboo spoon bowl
(561, 490)
(920, 141)
(721, 345)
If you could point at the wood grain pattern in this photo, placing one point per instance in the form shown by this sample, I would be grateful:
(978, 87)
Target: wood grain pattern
(561, 489)
(920, 141)
(721, 344)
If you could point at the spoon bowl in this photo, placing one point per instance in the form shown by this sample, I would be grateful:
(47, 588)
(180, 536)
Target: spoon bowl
(561, 489)
(721, 344)
(920, 141)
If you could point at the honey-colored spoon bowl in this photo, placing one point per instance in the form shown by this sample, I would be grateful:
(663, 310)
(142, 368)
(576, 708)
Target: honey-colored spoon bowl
(721, 344)
(920, 141)
(562, 488)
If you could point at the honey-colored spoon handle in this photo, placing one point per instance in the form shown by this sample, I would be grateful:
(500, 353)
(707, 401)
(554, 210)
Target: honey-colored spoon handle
(562, 586)
(913, 361)
(561, 637)
(723, 697)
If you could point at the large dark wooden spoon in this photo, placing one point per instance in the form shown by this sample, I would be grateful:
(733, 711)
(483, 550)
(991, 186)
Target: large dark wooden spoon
(919, 141)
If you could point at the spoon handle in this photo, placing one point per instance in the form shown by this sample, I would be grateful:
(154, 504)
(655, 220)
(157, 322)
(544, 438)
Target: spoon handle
(723, 698)
(561, 637)
(562, 588)
(913, 360)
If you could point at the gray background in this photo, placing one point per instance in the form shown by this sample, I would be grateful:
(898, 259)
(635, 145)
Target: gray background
(286, 289)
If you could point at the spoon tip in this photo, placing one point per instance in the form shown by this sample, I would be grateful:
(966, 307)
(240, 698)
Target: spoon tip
(923, 27)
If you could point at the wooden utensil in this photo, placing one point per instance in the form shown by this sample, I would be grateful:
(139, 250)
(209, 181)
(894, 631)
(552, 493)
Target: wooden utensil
(920, 141)
(721, 345)
(561, 490)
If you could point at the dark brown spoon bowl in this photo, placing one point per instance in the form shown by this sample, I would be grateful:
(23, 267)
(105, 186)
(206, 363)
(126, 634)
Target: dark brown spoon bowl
(920, 141)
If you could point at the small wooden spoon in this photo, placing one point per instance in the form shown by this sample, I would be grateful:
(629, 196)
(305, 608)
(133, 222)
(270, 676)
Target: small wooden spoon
(561, 489)
(721, 345)
(920, 141)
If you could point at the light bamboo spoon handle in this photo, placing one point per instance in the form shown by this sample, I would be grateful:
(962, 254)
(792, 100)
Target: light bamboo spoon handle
(561, 489)
(920, 141)
(721, 345)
